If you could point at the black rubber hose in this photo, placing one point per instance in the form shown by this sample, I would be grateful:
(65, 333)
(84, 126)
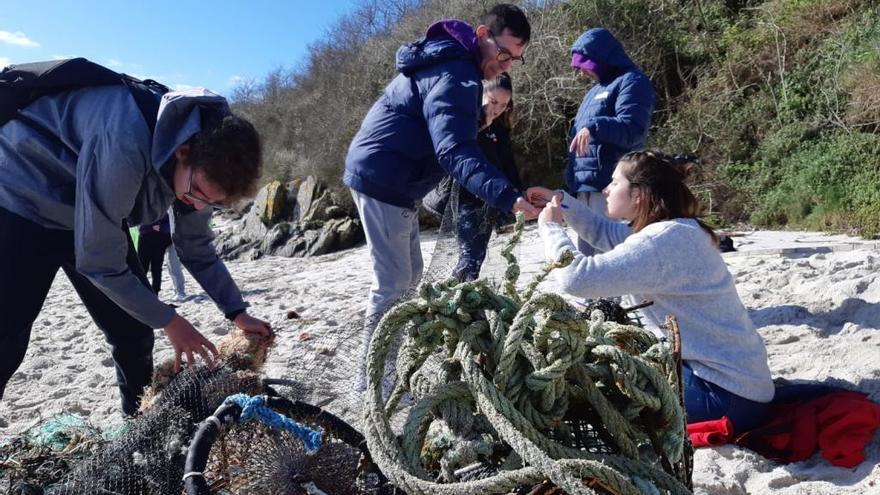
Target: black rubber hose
(207, 431)
(200, 448)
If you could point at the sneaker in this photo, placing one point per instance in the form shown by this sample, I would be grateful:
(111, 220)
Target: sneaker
(179, 298)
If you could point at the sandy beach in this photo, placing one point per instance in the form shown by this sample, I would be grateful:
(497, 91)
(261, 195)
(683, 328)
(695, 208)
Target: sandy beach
(815, 299)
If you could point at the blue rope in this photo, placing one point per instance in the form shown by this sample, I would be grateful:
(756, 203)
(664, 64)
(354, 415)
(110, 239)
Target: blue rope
(256, 408)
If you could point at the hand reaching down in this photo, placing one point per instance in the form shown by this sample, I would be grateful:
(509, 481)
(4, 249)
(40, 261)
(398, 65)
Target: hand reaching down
(250, 324)
(185, 339)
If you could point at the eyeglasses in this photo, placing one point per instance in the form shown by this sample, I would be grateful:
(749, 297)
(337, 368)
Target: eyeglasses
(504, 54)
(192, 197)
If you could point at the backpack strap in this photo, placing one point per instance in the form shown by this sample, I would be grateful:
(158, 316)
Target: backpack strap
(147, 95)
(22, 84)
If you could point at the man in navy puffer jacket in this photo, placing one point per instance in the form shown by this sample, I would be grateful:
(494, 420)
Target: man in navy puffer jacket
(422, 128)
(612, 120)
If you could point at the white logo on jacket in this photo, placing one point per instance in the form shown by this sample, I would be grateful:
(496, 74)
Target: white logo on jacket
(469, 84)
(601, 96)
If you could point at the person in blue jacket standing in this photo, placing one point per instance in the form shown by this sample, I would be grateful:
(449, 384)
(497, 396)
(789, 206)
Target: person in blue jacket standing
(613, 118)
(422, 128)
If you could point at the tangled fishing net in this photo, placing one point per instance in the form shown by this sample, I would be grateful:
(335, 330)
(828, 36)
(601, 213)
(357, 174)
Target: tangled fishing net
(474, 387)
(250, 455)
(46, 452)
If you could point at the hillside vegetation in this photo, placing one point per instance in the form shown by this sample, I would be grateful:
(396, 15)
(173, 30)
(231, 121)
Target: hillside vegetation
(780, 98)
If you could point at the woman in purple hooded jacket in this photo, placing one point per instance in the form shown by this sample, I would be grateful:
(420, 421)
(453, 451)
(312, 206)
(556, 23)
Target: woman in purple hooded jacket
(613, 118)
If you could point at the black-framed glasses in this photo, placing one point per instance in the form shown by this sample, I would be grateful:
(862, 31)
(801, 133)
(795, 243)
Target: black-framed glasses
(192, 197)
(504, 54)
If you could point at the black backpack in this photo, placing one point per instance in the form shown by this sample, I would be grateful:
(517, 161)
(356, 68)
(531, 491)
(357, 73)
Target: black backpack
(22, 84)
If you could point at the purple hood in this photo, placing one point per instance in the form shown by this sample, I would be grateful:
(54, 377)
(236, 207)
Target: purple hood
(444, 40)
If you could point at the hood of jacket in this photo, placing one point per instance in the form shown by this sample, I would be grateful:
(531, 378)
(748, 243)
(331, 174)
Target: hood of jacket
(180, 117)
(600, 45)
(444, 41)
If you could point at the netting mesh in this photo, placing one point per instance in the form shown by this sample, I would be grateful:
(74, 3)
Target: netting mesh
(320, 381)
(46, 453)
(251, 457)
(148, 455)
(325, 374)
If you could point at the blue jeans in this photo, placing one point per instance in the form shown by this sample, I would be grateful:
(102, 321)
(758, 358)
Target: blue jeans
(704, 401)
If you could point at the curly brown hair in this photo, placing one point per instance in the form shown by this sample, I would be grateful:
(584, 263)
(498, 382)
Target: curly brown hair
(230, 152)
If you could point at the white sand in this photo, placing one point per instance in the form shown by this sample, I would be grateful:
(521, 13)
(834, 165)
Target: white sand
(818, 313)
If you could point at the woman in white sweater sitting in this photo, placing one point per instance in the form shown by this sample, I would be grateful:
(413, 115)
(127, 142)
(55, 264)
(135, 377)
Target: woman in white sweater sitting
(667, 255)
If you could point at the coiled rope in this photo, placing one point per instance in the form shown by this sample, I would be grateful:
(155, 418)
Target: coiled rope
(511, 368)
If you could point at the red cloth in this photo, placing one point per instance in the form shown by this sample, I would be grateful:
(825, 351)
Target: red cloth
(710, 433)
(840, 424)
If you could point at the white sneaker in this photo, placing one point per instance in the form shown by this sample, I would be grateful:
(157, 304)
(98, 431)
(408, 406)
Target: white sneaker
(179, 298)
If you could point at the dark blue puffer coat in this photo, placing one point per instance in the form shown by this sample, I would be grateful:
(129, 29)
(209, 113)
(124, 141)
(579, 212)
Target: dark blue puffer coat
(424, 126)
(617, 112)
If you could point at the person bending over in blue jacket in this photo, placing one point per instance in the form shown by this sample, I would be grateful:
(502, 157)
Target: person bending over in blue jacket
(422, 128)
(68, 192)
(613, 118)
(667, 255)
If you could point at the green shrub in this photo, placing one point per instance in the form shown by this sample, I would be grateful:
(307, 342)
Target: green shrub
(780, 98)
(830, 182)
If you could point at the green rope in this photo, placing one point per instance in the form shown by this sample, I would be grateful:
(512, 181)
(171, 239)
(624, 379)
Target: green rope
(512, 368)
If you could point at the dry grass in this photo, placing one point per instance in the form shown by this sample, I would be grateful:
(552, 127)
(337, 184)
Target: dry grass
(863, 86)
(239, 350)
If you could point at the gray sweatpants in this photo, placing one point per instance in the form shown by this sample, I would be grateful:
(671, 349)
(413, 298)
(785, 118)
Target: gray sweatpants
(175, 269)
(393, 241)
(596, 202)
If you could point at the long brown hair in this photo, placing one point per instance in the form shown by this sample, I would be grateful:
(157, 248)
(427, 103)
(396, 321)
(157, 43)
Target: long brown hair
(503, 81)
(660, 180)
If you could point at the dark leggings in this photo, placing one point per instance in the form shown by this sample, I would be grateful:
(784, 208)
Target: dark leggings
(30, 256)
(151, 252)
(473, 228)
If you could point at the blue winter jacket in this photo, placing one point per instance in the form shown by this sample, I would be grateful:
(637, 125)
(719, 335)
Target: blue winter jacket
(617, 112)
(424, 126)
(96, 165)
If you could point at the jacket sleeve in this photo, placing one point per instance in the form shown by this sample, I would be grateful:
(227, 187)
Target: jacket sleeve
(632, 115)
(450, 110)
(598, 230)
(110, 170)
(629, 268)
(194, 241)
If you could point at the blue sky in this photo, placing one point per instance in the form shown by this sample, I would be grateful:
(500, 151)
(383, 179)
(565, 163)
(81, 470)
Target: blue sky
(179, 43)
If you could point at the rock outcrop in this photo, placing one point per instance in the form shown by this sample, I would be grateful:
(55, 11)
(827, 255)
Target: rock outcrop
(294, 219)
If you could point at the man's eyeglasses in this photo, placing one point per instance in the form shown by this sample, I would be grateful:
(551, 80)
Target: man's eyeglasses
(192, 197)
(504, 54)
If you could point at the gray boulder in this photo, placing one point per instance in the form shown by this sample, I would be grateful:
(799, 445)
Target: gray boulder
(338, 233)
(252, 227)
(276, 201)
(277, 236)
(294, 219)
(313, 201)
